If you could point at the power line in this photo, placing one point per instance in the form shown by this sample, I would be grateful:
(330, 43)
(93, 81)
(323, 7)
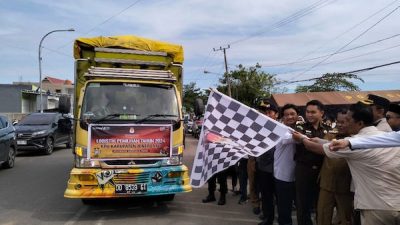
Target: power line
(343, 33)
(354, 39)
(293, 17)
(357, 56)
(105, 21)
(58, 52)
(350, 72)
(373, 67)
(368, 53)
(343, 51)
(113, 16)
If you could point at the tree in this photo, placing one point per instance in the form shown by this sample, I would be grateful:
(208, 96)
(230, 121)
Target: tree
(249, 84)
(331, 82)
(190, 93)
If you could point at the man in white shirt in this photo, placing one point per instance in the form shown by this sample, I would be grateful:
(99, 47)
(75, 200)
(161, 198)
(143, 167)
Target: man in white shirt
(375, 172)
(284, 166)
(391, 139)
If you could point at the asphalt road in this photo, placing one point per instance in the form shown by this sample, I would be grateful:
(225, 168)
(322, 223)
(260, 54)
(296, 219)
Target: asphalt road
(32, 193)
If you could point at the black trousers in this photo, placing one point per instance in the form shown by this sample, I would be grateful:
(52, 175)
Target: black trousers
(266, 181)
(285, 196)
(242, 173)
(232, 171)
(212, 183)
(307, 190)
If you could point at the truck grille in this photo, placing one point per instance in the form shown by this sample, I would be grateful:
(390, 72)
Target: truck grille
(131, 178)
(130, 162)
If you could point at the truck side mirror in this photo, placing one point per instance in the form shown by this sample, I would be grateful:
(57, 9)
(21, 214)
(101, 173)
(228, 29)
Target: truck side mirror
(198, 107)
(64, 104)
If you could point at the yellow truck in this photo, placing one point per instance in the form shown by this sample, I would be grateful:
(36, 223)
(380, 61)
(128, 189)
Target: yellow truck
(128, 134)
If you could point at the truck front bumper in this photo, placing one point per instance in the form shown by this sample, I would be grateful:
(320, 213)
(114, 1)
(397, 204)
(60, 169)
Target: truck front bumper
(117, 183)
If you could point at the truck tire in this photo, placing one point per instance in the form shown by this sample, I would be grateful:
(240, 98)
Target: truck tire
(10, 162)
(88, 201)
(167, 198)
(64, 104)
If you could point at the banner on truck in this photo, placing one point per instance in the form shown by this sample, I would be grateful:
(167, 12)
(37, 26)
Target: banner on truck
(111, 141)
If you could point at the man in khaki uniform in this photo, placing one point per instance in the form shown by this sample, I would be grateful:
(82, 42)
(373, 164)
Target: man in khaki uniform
(253, 188)
(335, 179)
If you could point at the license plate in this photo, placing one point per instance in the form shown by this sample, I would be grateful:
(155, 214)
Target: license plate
(130, 188)
(21, 142)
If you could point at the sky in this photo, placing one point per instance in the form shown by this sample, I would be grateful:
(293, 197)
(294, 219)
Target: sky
(292, 39)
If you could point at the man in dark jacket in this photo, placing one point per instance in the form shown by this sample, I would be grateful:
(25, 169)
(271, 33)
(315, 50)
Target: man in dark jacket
(265, 174)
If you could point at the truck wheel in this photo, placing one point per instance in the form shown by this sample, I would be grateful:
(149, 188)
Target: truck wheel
(10, 162)
(167, 198)
(88, 201)
(49, 147)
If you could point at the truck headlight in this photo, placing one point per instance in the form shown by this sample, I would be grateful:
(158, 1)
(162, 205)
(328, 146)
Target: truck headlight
(86, 163)
(81, 151)
(174, 160)
(81, 160)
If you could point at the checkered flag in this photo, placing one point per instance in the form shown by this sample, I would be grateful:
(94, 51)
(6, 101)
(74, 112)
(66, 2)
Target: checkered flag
(230, 131)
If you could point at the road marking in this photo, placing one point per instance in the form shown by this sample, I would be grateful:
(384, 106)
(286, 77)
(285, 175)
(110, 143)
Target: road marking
(76, 217)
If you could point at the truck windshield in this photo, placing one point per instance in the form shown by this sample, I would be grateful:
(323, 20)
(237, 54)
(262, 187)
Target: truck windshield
(129, 101)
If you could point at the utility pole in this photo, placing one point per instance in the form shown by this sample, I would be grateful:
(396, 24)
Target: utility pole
(228, 79)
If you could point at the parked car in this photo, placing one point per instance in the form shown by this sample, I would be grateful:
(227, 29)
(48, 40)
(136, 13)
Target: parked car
(43, 131)
(8, 146)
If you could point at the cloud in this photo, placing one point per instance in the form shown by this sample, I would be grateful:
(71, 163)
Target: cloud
(201, 26)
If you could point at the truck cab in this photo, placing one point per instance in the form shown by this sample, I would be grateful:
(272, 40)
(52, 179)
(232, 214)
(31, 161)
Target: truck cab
(128, 138)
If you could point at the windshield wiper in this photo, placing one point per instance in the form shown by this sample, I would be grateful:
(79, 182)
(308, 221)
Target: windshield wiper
(154, 116)
(109, 116)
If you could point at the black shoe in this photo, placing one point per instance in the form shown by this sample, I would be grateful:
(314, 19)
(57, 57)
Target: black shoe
(209, 198)
(242, 201)
(256, 210)
(236, 193)
(265, 222)
(222, 200)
